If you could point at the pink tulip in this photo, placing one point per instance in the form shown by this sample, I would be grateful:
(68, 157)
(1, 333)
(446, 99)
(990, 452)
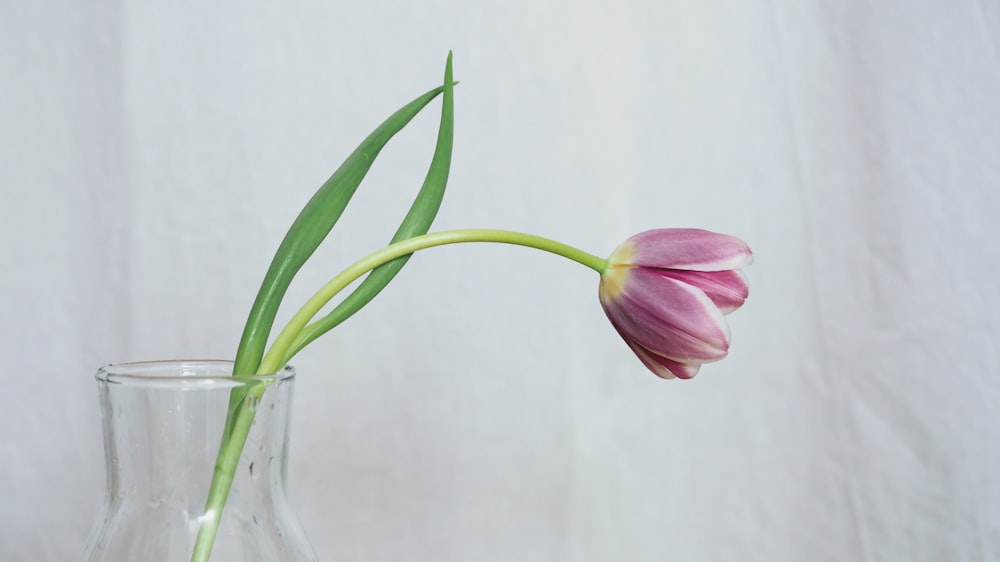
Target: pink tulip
(666, 292)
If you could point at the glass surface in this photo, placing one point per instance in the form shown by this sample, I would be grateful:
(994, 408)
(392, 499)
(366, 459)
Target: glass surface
(163, 424)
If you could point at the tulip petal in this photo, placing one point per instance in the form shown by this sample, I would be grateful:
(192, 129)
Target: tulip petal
(685, 248)
(652, 362)
(727, 289)
(667, 317)
(663, 367)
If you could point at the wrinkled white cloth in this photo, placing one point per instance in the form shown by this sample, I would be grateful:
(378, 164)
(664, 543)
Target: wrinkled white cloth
(482, 408)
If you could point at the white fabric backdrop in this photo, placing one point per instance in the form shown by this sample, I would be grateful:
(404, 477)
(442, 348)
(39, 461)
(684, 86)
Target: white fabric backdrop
(153, 153)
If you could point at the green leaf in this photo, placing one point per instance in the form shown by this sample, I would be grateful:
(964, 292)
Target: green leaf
(417, 221)
(310, 228)
(307, 232)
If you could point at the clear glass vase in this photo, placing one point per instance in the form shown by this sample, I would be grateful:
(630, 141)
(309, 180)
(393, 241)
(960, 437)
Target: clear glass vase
(163, 424)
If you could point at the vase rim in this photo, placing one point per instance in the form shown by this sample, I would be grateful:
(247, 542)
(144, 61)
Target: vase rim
(184, 374)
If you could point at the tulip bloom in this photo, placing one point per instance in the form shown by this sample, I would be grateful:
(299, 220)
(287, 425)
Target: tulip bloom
(666, 293)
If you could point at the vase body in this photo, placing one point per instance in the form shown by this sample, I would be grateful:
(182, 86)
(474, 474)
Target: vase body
(163, 424)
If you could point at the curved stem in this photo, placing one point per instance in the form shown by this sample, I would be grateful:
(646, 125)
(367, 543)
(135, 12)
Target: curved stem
(291, 338)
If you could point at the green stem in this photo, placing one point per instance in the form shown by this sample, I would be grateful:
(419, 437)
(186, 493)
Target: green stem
(297, 330)
(291, 338)
(225, 469)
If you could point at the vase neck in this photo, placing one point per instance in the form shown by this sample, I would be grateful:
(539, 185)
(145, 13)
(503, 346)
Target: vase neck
(160, 440)
(163, 425)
